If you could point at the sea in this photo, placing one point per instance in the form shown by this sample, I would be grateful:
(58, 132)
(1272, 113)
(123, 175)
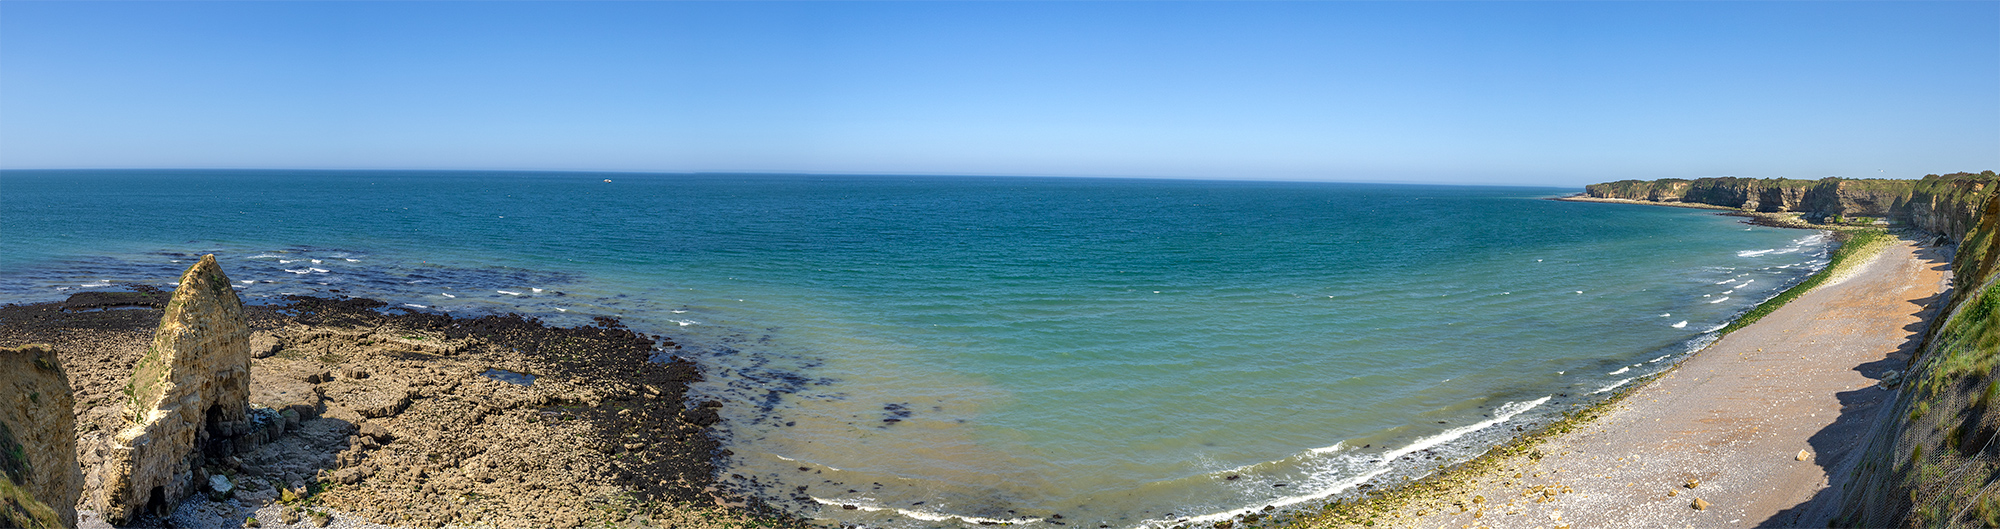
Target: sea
(933, 351)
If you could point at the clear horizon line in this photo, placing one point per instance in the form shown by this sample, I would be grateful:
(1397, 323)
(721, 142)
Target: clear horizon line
(819, 173)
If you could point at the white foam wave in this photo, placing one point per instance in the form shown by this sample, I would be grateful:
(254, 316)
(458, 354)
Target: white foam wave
(1754, 253)
(806, 462)
(320, 270)
(280, 261)
(1336, 447)
(415, 305)
(1614, 385)
(1620, 371)
(262, 256)
(685, 323)
(301, 271)
(1655, 360)
(352, 260)
(1717, 327)
(1719, 300)
(510, 293)
(1666, 314)
(925, 515)
(247, 281)
(1503, 414)
(446, 294)
(1682, 325)
(533, 289)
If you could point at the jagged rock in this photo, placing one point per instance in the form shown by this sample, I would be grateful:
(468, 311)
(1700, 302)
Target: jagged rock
(368, 398)
(37, 440)
(1804, 455)
(273, 387)
(188, 393)
(219, 487)
(376, 432)
(1700, 504)
(263, 345)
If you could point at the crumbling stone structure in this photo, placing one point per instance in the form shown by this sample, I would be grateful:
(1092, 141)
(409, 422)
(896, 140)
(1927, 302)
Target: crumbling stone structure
(187, 399)
(37, 440)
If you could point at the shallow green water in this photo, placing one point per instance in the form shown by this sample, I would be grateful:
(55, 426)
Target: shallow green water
(941, 351)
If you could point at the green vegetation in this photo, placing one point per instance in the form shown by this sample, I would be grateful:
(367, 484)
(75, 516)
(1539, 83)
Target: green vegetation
(1969, 344)
(148, 380)
(1856, 246)
(1377, 507)
(20, 509)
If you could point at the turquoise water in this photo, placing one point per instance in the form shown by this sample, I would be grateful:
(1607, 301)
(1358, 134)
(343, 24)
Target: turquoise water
(942, 351)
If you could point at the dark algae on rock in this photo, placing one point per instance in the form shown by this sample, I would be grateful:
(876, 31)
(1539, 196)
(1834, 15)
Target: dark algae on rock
(386, 415)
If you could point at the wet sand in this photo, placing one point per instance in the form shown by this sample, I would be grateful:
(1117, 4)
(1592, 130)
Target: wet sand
(1732, 421)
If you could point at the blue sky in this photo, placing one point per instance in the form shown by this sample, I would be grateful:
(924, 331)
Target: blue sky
(1560, 93)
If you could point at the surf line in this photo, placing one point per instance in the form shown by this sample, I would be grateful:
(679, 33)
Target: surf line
(1506, 412)
(927, 516)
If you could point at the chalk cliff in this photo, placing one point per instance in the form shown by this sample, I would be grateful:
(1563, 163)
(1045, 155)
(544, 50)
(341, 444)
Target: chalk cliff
(187, 397)
(37, 440)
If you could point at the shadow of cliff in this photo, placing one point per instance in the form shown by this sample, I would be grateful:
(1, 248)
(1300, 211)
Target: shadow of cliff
(1837, 448)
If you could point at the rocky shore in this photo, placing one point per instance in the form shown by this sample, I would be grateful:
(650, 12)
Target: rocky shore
(358, 414)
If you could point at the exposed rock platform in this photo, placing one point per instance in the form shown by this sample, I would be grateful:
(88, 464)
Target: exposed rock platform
(384, 416)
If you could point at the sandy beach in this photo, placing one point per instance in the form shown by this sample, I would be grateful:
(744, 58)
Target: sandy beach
(1750, 432)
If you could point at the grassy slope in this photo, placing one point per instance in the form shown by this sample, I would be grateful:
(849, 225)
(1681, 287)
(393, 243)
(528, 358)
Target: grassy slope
(1933, 461)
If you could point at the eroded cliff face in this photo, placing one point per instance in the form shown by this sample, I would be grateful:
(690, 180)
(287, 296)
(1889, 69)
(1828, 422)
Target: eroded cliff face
(1932, 459)
(1824, 197)
(37, 440)
(1949, 204)
(188, 396)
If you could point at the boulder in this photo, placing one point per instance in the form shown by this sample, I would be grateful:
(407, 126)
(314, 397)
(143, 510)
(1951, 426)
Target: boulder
(263, 344)
(274, 385)
(368, 398)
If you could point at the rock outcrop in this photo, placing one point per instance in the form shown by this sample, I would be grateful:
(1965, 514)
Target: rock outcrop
(1948, 205)
(37, 440)
(1825, 197)
(187, 398)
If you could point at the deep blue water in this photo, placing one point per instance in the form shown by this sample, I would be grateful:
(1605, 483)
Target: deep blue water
(1109, 350)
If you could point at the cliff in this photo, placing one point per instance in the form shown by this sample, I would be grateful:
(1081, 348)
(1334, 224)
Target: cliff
(37, 440)
(1948, 205)
(1818, 198)
(188, 396)
(1932, 460)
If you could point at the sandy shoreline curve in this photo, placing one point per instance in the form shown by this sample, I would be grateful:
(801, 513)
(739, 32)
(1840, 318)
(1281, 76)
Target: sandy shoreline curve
(1752, 431)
